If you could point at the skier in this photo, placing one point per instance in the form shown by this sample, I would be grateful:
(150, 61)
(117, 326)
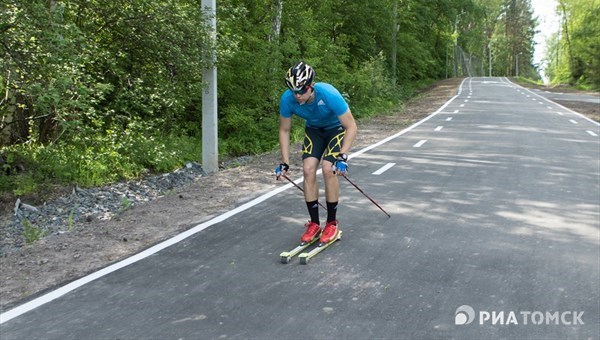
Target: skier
(330, 130)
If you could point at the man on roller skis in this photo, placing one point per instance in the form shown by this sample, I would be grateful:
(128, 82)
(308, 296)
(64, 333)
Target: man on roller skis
(329, 132)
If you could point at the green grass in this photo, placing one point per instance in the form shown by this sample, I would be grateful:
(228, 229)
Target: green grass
(98, 161)
(31, 233)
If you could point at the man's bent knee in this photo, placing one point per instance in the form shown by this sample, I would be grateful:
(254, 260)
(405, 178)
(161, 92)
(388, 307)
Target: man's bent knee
(309, 167)
(328, 170)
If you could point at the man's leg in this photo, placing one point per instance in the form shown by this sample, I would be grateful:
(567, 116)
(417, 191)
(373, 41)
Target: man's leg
(311, 188)
(332, 185)
(332, 194)
(312, 151)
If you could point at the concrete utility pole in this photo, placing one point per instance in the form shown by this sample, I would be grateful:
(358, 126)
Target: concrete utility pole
(394, 42)
(210, 145)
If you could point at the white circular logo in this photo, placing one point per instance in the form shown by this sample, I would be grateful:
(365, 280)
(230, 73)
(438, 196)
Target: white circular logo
(464, 315)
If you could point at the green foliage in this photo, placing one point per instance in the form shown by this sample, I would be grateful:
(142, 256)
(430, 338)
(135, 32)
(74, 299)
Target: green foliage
(573, 54)
(97, 160)
(31, 233)
(528, 81)
(512, 39)
(71, 220)
(20, 184)
(250, 131)
(125, 204)
(370, 90)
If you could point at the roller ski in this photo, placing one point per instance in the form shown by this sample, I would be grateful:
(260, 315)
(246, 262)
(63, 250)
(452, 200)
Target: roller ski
(330, 234)
(310, 236)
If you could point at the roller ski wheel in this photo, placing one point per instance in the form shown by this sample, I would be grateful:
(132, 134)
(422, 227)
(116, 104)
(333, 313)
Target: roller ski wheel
(286, 256)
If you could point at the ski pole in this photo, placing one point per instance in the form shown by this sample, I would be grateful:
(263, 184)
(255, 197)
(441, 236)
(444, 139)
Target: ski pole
(367, 196)
(297, 186)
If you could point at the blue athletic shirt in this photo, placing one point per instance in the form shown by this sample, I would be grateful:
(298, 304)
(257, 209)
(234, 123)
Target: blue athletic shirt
(324, 110)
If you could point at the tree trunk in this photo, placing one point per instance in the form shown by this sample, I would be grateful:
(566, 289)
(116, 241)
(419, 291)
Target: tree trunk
(276, 26)
(565, 24)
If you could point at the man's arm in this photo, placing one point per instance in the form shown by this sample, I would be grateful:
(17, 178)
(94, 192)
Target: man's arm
(349, 125)
(285, 125)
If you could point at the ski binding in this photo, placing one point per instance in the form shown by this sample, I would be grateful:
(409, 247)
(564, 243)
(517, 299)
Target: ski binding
(305, 257)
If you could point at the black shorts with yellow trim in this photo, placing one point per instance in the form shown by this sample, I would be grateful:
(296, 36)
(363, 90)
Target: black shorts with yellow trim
(323, 143)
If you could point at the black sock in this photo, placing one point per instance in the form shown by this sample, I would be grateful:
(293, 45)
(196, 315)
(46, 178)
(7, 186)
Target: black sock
(331, 211)
(313, 210)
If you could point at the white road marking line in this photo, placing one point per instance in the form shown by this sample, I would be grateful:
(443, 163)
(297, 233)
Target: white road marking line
(455, 111)
(592, 133)
(439, 128)
(466, 100)
(549, 107)
(420, 143)
(462, 105)
(384, 169)
(560, 113)
(572, 121)
(448, 119)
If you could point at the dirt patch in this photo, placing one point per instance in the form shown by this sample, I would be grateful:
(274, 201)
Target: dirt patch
(590, 110)
(58, 259)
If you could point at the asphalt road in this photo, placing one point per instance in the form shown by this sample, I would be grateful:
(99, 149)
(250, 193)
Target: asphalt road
(494, 233)
(589, 98)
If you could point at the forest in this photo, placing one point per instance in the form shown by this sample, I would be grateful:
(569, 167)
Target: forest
(97, 91)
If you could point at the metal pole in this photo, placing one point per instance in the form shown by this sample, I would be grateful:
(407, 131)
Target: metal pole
(210, 145)
(367, 196)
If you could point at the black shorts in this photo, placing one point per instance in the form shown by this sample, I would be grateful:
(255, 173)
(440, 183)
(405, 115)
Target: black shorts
(323, 143)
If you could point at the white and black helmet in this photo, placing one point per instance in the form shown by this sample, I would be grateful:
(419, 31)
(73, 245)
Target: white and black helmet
(299, 76)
